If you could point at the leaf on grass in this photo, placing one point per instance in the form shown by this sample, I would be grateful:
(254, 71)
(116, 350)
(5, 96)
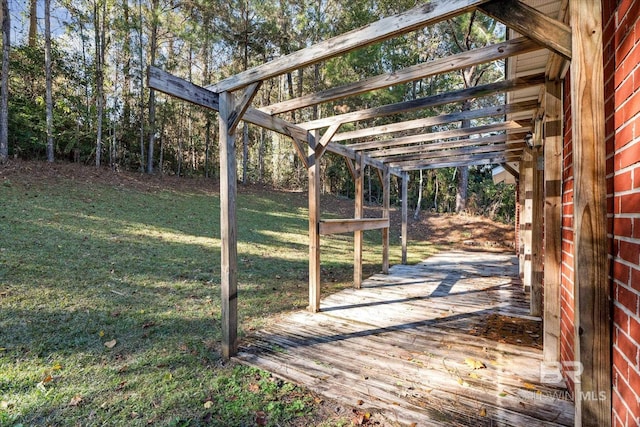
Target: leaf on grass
(474, 364)
(254, 388)
(261, 418)
(75, 400)
(56, 367)
(47, 379)
(101, 333)
(483, 412)
(208, 404)
(110, 344)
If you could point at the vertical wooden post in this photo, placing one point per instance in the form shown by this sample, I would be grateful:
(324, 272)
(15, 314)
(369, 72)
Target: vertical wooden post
(314, 224)
(552, 220)
(359, 211)
(386, 203)
(228, 228)
(527, 216)
(537, 216)
(591, 266)
(521, 216)
(405, 215)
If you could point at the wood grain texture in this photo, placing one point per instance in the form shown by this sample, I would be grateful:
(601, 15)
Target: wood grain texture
(553, 34)
(420, 71)
(591, 263)
(405, 214)
(400, 343)
(313, 169)
(358, 235)
(431, 101)
(349, 225)
(386, 28)
(386, 205)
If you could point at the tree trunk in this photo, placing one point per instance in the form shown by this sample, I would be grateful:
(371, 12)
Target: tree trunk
(152, 93)
(141, 98)
(245, 153)
(4, 83)
(47, 67)
(33, 23)
(100, 50)
(463, 171)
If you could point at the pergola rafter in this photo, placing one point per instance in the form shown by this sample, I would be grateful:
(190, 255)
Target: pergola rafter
(414, 149)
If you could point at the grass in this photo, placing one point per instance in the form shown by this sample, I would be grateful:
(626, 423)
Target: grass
(110, 306)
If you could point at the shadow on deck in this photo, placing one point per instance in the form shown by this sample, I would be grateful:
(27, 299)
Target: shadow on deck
(418, 346)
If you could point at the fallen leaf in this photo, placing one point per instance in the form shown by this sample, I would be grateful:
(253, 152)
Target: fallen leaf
(148, 325)
(56, 367)
(254, 388)
(474, 376)
(208, 404)
(261, 418)
(110, 344)
(360, 402)
(503, 394)
(101, 333)
(474, 364)
(47, 379)
(75, 400)
(529, 386)
(483, 412)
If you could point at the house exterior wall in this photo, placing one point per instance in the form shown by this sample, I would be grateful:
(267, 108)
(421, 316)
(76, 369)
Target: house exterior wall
(621, 48)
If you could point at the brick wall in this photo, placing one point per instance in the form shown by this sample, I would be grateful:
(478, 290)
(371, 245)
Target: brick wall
(622, 102)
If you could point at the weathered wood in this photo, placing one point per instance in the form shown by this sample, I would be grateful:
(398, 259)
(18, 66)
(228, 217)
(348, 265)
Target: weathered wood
(386, 204)
(499, 110)
(426, 137)
(537, 225)
(351, 167)
(349, 225)
(553, 34)
(553, 141)
(449, 153)
(431, 101)
(417, 164)
(313, 170)
(358, 235)
(526, 216)
(242, 104)
(171, 85)
(420, 71)
(591, 264)
(402, 23)
(405, 214)
(326, 138)
(474, 161)
(228, 229)
(511, 170)
(346, 152)
(401, 342)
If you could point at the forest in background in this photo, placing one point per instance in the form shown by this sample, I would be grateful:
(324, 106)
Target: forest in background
(99, 110)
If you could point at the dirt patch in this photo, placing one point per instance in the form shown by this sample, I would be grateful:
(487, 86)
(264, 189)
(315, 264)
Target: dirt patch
(510, 330)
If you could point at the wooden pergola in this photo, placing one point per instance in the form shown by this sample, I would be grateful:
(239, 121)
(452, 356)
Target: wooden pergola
(574, 37)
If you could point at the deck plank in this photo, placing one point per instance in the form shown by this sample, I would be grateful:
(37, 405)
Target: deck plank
(400, 344)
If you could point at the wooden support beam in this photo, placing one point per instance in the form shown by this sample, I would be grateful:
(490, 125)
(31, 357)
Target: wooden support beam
(471, 161)
(537, 238)
(228, 229)
(426, 137)
(527, 215)
(337, 226)
(592, 286)
(553, 34)
(420, 71)
(431, 101)
(314, 225)
(521, 217)
(351, 167)
(358, 235)
(326, 139)
(242, 104)
(447, 154)
(386, 28)
(420, 164)
(511, 170)
(386, 204)
(553, 142)
(499, 110)
(171, 85)
(405, 214)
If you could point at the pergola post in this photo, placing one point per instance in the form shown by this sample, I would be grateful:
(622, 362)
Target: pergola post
(591, 267)
(358, 235)
(405, 215)
(537, 217)
(386, 203)
(552, 219)
(526, 216)
(228, 227)
(314, 224)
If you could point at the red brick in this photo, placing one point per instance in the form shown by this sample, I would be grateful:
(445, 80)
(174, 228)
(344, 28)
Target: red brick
(636, 177)
(636, 227)
(626, 394)
(630, 251)
(628, 109)
(635, 279)
(621, 319)
(636, 79)
(623, 91)
(623, 181)
(624, 135)
(630, 203)
(621, 272)
(619, 410)
(627, 298)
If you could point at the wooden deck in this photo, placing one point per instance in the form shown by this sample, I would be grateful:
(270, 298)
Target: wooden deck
(410, 345)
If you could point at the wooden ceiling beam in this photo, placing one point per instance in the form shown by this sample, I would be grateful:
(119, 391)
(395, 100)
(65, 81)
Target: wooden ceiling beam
(497, 110)
(415, 72)
(553, 34)
(471, 161)
(449, 153)
(389, 153)
(430, 101)
(426, 137)
(384, 29)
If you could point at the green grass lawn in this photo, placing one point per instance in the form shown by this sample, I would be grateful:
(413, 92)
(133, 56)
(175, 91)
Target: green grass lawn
(110, 303)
